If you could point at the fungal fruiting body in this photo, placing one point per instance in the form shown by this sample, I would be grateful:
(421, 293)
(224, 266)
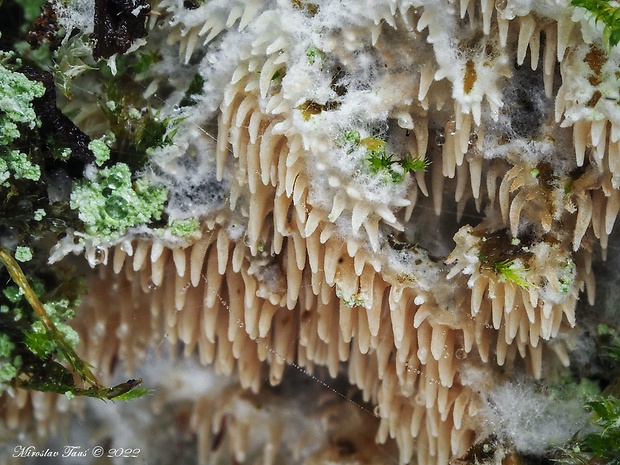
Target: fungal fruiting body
(318, 176)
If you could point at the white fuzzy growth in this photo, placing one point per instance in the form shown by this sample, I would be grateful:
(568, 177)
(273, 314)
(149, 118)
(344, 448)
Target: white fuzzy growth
(532, 421)
(78, 14)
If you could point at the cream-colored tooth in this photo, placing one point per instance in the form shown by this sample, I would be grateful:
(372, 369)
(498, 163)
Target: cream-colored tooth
(139, 257)
(361, 210)
(333, 362)
(266, 316)
(215, 29)
(598, 132)
(613, 159)
(119, 259)
(325, 314)
(503, 26)
(249, 12)
(267, 152)
(438, 341)
(340, 202)
(501, 348)
(504, 196)
(158, 267)
(293, 277)
(560, 350)
(314, 218)
(447, 370)
(475, 174)
(437, 188)
(515, 211)
(269, 69)
(590, 287)
(222, 245)
(253, 130)
(300, 251)
(461, 182)
(584, 216)
(420, 130)
(536, 360)
(238, 256)
(427, 75)
(197, 257)
(448, 154)
(180, 260)
(363, 332)
(247, 106)
(423, 449)
(535, 50)
(421, 181)
(346, 322)
(189, 45)
(549, 59)
(374, 312)
(565, 28)
(509, 297)
(496, 294)
(413, 199)
(611, 211)
(331, 257)
(181, 287)
(371, 226)
(477, 292)
(398, 313)
(443, 441)
(527, 26)
(424, 342)
(487, 14)
(313, 247)
(432, 385)
(464, 7)
(422, 314)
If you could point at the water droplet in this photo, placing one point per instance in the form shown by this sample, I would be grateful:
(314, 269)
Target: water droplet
(500, 5)
(151, 285)
(100, 255)
(440, 138)
(115, 180)
(116, 207)
(451, 127)
(473, 138)
(460, 354)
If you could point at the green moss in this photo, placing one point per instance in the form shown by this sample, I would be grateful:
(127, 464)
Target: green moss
(510, 271)
(604, 12)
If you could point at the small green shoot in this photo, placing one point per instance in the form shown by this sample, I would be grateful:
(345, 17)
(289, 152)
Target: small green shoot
(604, 12)
(36, 369)
(382, 162)
(510, 271)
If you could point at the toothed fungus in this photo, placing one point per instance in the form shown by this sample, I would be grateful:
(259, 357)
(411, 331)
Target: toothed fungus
(323, 158)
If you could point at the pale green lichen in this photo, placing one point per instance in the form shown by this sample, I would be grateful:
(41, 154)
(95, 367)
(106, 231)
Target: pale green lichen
(23, 254)
(39, 213)
(100, 150)
(184, 227)
(16, 96)
(109, 202)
